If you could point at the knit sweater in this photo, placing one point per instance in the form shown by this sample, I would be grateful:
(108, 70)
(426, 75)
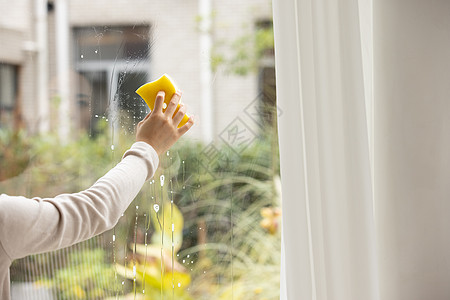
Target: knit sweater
(36, 225)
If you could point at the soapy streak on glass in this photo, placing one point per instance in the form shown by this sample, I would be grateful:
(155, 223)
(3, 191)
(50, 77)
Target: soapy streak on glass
(124, 59)
(123, 86)
(94, 68)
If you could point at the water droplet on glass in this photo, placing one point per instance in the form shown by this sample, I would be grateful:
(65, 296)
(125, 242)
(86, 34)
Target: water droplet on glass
(96, 51)
(161, 179)
(114, 237)
(156, 207)
(82, 56)
(106, 120)
(137, 206)
(112, 147)
(123, 282)
(173, 227)
(164, 105)
(168, 153)
(96, 116)
(134, 270)
(188, 256)
(179, 284)
(184, 261)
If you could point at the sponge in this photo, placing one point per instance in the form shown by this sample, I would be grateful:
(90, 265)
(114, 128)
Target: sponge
(149, 91)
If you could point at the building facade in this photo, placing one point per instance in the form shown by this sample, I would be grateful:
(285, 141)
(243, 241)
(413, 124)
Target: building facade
(65, 64)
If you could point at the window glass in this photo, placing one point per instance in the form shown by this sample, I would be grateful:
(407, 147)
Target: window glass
(8, 94)
(207, 225)
(112, 42)
(117, 53)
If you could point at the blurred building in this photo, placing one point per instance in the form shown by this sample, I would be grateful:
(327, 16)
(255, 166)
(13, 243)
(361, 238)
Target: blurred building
(65, 64)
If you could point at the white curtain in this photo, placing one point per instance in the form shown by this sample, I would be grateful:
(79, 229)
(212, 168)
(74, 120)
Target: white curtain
(364, 148)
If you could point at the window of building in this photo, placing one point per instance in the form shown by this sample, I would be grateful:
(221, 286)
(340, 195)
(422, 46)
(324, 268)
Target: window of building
(112, 62)
(268, 109)
(8, 94)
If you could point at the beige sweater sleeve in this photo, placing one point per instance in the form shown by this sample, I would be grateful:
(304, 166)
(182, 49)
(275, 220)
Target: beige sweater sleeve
(29, 226)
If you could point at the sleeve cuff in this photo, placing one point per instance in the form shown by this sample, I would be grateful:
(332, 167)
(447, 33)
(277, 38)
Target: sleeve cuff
(147, 153)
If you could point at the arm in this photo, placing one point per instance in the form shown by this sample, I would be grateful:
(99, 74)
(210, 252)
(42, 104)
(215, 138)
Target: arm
(37, 225)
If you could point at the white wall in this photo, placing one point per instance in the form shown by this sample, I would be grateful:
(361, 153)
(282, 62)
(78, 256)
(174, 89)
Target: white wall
(17, 38)
(412, 147)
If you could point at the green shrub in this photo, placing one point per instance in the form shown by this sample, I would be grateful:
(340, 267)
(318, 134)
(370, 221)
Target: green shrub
(232, 246)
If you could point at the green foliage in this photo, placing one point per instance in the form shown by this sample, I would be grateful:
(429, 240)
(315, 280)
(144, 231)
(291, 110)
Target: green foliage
(225, 197)
(243, 55)
(83, 269)
(232, 254)
(14, 153)
(264, 41)
(221, 202)
(168, 235)
(155, 268)
(45, 167)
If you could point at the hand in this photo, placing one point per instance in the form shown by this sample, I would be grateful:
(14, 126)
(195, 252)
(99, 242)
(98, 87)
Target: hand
(158, 128)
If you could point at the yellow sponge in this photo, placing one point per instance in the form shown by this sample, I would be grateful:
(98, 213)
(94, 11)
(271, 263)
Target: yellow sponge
(149, 91)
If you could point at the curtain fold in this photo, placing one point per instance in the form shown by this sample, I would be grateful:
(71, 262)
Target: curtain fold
(364, 148)
(322, 85)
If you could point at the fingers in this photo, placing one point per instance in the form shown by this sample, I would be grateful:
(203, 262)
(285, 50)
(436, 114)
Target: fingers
(172, 106)
(179, 114)
(159, 101)
(146, 117)
(183, 129)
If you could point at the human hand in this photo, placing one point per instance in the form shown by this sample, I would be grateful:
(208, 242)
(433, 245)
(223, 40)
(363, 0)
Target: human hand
(158, 128)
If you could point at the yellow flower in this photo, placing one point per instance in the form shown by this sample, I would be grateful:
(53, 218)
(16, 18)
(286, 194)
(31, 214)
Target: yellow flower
(79, 292)
(270, 221)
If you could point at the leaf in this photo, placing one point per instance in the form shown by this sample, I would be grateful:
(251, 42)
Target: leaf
(172, 219)
(154, 251)
(151, 274)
